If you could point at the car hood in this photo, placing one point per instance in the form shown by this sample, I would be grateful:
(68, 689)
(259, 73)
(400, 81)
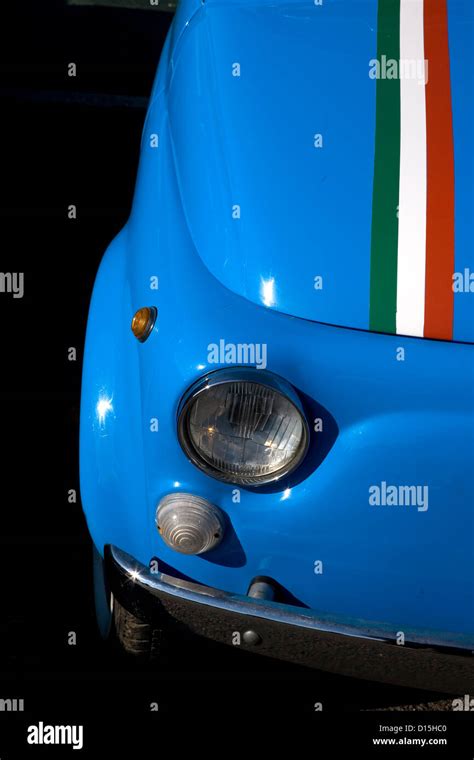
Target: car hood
(273, 114)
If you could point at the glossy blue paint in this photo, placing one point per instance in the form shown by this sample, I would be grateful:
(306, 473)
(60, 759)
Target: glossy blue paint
(461, 53)
(403, 422)
(304, 210)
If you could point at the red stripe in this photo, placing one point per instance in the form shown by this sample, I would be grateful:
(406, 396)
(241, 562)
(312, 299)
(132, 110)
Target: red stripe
(439, 297)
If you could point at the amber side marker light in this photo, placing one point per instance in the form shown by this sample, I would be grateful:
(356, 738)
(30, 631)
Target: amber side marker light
(143, 322)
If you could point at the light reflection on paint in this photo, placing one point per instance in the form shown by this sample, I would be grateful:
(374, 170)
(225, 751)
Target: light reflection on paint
(201, 366)
(176, 484)
(267, 291)
(103, 408)
(286, 494)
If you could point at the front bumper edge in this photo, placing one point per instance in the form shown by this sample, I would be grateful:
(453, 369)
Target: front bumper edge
(289, 633)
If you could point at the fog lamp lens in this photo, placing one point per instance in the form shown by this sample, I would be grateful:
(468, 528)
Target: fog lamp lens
(189, 524)
(143, 321)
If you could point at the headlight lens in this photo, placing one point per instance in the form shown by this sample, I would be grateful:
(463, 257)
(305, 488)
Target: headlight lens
(243, 426)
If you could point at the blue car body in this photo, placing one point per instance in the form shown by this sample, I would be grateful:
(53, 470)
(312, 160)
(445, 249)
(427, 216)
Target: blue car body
(395, 409)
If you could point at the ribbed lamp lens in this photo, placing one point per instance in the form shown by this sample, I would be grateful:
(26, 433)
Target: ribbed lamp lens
(189, 524)
(245, 432)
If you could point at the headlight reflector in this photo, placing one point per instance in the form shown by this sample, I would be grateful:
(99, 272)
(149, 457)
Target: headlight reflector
(243, 426)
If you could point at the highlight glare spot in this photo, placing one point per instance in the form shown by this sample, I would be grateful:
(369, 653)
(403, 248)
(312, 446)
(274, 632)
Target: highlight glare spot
(267, 291)
(104, 406)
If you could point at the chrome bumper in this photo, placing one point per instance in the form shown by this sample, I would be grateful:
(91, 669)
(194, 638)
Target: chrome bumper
(295, 634)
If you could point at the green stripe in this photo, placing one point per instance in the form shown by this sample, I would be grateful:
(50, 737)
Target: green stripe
(383, 263)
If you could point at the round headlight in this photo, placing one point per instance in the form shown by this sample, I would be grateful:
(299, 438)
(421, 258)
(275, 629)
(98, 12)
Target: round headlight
(243, 426)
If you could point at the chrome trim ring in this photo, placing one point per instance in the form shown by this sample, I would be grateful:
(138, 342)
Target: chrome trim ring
(236, 375)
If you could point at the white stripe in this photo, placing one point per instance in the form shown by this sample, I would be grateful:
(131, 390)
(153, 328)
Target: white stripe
(412, 200)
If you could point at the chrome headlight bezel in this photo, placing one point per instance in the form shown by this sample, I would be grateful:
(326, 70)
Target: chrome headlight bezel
(235, 375)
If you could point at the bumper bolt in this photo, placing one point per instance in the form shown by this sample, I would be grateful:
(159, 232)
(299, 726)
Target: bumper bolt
(252, 638)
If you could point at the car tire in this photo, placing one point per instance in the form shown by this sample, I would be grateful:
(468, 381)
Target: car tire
(123, 630)
(135, 637)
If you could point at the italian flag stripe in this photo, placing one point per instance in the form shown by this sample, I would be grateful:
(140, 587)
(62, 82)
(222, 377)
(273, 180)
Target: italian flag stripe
(412, 251)
(383, 260)
(412, 199)
(439, 307)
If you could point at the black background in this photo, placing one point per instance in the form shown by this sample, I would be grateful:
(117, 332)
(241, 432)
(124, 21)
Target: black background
(75, 141)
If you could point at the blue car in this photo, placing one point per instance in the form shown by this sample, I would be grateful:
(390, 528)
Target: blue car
(277, 434)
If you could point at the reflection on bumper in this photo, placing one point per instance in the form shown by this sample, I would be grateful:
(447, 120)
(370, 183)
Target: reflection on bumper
(295, 634)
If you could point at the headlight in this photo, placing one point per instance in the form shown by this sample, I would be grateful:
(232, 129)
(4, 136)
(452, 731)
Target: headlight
(243, 426)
